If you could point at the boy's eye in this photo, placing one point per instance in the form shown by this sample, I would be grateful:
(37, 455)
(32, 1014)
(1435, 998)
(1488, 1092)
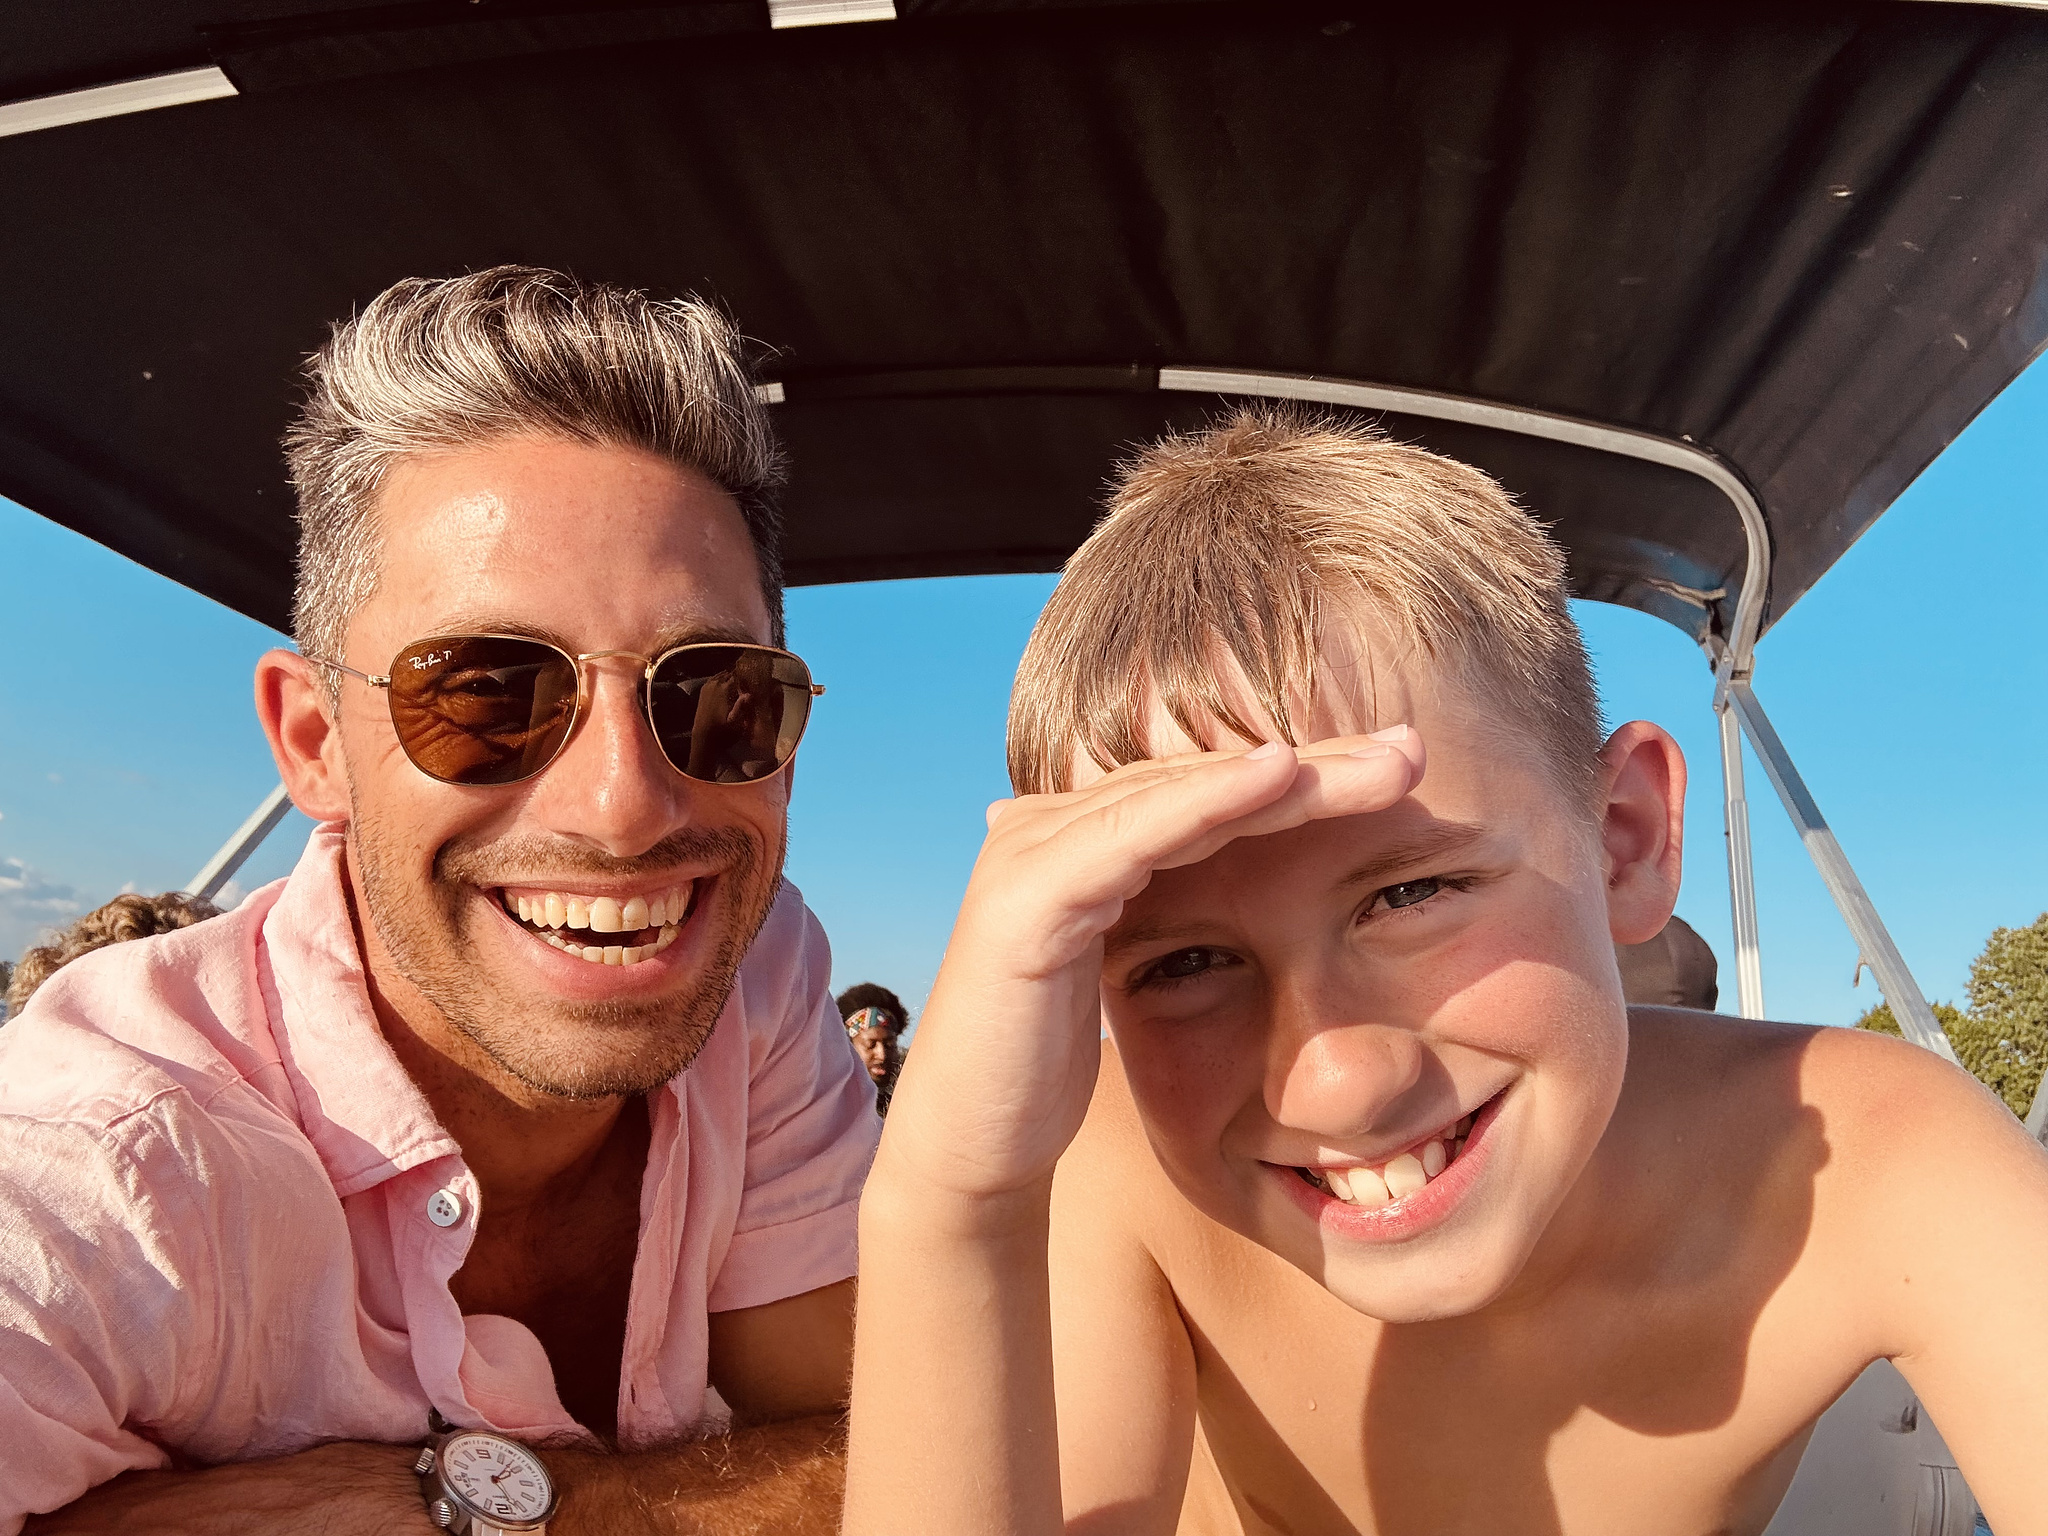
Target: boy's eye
(1184, 964)
(1409, 892)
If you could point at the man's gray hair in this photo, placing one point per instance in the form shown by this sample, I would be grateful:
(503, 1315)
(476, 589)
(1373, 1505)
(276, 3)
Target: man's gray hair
(438, 364)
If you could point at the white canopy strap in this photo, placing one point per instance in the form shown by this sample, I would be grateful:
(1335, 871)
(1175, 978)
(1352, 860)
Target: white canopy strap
(116, 100)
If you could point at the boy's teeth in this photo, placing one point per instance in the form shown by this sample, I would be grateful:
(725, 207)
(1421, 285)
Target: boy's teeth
(1402, 1176)
(605, 917)
(579, 912)
(557, 914)
(1368, 1189)
(634, 918)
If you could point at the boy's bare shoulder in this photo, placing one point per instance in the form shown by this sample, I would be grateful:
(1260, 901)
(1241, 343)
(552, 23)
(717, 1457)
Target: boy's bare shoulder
(1875, 1096)
(1892, 1145)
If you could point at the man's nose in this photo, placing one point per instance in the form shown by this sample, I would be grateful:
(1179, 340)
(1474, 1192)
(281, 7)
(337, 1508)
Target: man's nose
(1334, 1071)
(612, 789)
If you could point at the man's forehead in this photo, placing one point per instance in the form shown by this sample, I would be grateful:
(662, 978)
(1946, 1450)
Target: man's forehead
(552, 538)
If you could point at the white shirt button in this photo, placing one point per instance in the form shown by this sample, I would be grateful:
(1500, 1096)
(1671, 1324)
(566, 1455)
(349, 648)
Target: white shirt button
(444, 1207)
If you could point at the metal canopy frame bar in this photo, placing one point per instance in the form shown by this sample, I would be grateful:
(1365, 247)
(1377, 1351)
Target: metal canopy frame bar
(1735, 703)
(220, 869)
(1916, 1020)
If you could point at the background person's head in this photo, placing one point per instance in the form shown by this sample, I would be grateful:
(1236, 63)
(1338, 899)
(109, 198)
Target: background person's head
(1353, 988)
(875, 1019)
(1673, 969)
(125, 917)
(518, 452)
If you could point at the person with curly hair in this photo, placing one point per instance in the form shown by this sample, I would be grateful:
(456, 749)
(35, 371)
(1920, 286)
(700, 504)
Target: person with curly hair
(127, 916)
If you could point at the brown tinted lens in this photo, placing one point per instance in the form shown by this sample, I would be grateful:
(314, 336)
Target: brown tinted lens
(480, 709)
(729, 714)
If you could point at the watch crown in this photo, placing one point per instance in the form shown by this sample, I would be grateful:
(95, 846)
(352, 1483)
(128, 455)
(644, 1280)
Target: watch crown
(426, 1462)
(442, 1513)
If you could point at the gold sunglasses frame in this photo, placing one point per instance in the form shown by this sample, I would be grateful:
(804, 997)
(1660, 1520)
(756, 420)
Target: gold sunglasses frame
(576, 659)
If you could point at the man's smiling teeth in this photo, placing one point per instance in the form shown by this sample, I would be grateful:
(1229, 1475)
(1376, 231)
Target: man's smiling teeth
(661, 913)
(1399, 1177)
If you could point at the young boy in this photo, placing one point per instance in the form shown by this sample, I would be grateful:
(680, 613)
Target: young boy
(1387, 1214)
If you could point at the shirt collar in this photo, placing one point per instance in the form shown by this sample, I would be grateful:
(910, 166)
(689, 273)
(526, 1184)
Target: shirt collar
(365, 1116)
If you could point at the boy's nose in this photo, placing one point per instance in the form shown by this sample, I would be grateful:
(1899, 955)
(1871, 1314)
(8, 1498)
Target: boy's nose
(1338, 1080)
(612, 788)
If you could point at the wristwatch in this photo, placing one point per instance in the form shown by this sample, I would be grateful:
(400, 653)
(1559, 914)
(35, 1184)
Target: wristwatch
(480, 1484)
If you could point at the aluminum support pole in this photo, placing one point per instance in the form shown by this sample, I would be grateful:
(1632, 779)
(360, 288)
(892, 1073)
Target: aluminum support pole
(1749, 960)
(1916, 1019)
(221, 868)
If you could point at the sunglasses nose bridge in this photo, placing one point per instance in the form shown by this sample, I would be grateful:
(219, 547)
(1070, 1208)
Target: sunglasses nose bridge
(586, 681)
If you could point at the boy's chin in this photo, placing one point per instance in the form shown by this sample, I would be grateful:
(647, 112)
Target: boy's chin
(1417, 1291)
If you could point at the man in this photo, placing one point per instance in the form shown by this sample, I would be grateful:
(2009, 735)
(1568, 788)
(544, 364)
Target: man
(875, 1020)
(1385, 1214)
(521, 1107)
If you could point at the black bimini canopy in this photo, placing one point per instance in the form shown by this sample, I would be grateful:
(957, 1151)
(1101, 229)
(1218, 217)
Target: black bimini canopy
(1658, 267)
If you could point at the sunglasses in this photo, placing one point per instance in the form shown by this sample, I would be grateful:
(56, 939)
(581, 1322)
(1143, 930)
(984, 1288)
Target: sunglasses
(497, 709)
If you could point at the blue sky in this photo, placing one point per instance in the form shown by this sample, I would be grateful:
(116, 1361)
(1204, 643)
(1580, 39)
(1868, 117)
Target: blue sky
(1909, 685)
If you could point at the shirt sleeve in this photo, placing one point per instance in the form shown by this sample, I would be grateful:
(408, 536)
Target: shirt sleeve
(102, 1309)
(811, 1129)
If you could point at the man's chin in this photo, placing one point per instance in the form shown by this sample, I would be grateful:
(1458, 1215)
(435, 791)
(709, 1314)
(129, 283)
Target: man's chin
(577, 1029)
(595, 1051)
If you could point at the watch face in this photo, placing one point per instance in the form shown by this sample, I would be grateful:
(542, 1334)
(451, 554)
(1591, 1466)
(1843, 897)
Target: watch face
(497, 1479)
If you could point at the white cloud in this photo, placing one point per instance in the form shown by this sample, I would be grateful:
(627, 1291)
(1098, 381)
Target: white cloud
(31, 906)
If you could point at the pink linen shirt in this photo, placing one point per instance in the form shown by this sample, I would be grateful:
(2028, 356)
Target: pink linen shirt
(228, 1217)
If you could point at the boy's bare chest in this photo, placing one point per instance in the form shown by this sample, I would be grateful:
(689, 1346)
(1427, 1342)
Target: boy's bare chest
(1670, 1422)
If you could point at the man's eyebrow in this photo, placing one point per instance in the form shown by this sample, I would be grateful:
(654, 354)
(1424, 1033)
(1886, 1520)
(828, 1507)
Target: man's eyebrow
(667, 638)
(1439, 840)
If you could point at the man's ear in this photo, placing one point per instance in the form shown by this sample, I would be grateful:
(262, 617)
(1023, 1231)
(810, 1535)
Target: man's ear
(291, 702)
(1642, 829)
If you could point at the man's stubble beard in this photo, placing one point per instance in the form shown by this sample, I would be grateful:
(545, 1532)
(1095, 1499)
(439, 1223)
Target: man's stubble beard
(535, 1041)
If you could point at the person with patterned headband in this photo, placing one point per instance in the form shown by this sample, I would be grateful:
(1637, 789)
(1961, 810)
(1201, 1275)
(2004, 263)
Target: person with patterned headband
(875, 1021)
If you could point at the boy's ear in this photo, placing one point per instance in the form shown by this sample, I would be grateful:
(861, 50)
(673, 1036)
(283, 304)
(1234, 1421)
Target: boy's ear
(1642, 829)
(291, 701)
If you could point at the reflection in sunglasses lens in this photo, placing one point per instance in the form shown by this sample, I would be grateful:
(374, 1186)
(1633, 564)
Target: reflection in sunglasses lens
(729, 714)
(474, 709)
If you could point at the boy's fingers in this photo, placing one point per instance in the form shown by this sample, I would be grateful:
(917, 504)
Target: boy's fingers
(1110, 848)
(1185, 818)
(1353, 783)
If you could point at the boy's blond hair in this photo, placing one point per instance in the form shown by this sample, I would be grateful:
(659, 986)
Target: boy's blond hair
(1236, 547)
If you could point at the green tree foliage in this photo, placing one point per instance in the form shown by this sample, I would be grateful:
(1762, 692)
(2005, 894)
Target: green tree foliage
(2002, 1040)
